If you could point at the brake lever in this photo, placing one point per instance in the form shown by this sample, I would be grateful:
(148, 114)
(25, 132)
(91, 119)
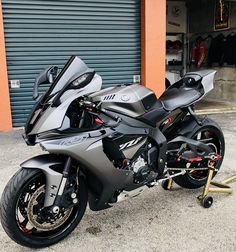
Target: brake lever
(89, 104)
(105, 124)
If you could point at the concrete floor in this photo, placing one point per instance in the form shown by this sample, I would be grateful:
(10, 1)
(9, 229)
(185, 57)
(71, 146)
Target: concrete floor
(157, 220)
(211, 106)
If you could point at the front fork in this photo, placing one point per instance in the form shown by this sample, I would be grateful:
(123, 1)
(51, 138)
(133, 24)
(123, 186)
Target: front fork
(66, 196)
(55, 181)
(64, 179)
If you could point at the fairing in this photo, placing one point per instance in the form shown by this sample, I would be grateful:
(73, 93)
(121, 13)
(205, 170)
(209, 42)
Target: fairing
(53, 116)
(83, 146)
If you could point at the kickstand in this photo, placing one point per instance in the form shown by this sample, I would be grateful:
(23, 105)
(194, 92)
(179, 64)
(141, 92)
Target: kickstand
(220, 187)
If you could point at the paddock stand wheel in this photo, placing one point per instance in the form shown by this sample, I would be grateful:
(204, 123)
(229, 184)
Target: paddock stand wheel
(167, 184)
(207, 202)
(220, 187)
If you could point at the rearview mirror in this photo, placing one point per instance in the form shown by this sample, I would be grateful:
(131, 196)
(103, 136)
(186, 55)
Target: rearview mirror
(47, 76)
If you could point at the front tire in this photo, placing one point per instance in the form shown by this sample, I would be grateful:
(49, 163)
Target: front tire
(14, 213)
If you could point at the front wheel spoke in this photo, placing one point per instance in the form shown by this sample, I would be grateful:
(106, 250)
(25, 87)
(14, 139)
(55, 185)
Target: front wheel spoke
(24, 222)
(29, 226)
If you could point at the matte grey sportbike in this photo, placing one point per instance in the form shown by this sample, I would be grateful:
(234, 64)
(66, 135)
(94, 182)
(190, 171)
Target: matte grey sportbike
(104, 146)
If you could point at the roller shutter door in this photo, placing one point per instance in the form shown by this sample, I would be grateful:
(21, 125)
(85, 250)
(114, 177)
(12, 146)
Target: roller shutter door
(105, 34)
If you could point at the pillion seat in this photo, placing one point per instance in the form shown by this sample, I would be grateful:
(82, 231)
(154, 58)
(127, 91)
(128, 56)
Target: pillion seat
(184, 92)
(179, 97)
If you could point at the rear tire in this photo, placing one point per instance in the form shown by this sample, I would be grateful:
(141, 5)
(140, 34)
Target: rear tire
(188, 181)
(9, 207)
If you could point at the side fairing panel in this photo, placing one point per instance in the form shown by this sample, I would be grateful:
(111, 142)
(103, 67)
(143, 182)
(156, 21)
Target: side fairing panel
(88, 149)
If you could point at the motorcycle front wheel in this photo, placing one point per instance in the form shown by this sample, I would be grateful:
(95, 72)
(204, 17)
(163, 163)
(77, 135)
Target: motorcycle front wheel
(24, 218)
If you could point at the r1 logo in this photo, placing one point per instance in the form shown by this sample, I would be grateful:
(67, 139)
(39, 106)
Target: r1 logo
(130, 143)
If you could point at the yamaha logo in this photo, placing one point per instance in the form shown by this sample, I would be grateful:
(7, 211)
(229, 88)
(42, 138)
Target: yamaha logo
(125, 98)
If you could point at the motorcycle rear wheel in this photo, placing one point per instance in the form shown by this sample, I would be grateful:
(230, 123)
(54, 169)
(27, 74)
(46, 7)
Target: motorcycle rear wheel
(27, 185)
(197, 179)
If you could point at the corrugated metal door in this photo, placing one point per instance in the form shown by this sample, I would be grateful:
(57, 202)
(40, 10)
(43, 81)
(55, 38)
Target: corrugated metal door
(105, 34)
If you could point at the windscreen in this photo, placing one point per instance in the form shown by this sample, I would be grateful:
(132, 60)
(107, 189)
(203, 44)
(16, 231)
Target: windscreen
(73, 68)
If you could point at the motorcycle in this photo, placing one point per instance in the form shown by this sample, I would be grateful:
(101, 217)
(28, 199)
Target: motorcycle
(104, 146)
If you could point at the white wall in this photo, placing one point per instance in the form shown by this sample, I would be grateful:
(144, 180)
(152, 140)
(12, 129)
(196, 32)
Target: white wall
(176, 18)
(176, 21)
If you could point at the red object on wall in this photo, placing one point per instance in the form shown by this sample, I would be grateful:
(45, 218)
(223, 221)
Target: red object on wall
(201, 53)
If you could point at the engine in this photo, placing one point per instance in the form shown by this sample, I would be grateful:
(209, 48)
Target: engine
(141, 170)
(133, 153)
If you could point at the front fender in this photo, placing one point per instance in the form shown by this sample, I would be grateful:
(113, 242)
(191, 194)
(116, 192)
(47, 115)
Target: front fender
(45, 163)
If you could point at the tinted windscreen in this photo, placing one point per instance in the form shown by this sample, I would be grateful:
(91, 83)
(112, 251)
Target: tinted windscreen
(73, 68)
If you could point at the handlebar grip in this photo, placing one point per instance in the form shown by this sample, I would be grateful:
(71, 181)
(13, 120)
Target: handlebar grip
(105, 112)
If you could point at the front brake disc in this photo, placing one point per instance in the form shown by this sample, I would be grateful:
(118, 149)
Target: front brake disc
(34, 217)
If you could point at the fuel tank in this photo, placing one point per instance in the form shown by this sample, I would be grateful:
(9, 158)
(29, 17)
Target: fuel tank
(131, 100)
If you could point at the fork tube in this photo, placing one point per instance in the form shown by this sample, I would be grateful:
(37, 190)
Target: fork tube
(67, 166)
(65, 173)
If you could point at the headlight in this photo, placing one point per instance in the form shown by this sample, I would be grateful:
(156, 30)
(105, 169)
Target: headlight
(80, 80)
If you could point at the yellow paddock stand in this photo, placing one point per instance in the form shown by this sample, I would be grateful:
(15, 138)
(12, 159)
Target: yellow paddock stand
(219, 187)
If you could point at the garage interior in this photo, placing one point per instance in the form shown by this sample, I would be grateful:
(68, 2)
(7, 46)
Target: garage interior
(202, 35)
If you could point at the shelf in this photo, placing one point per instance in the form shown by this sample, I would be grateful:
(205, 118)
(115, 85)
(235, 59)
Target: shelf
(173, 51)
(174, 33)
(176, 54)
